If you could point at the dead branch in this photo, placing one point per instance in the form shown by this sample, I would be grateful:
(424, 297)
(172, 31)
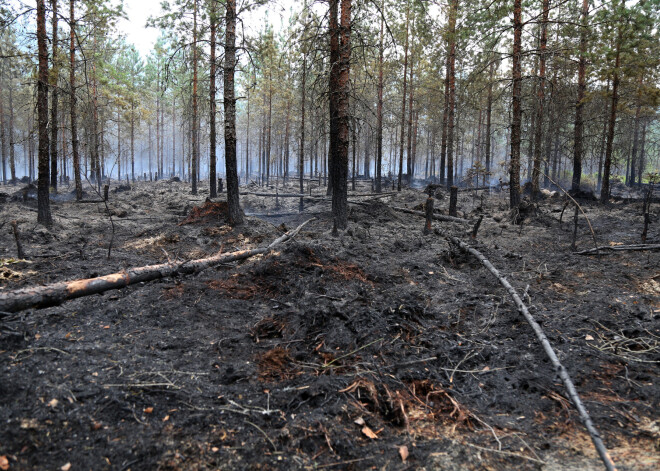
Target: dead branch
(540, 335)
(56, 293)
(593, 234)
(620, 248)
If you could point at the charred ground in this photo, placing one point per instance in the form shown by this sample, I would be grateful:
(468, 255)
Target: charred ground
(349, 352)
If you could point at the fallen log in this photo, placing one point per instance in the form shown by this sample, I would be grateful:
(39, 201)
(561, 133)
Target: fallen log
(619, 248)
(56, 293)
(540, 335)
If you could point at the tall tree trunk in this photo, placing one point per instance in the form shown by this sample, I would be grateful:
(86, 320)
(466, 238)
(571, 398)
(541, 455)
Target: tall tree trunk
(247, 140)
(43, 199)
(118, 144)
(603, 141)
(53, 107)
(269, 135)
(379, 109)
(212, 105)
(635, 147)
(605, 188)
(132, 139)
(409, 159)
(453, 12)
(301, 149)
(73, 104)
(3, 138)
(333, 136)
(340, 179)
(231, 166)
(642, 155)
(404, 95)
(12, 150)
(514, 166)
(173, 135)
(538, 136)
(578, 146)
(489, 112)
(443, 139)
(195, 112)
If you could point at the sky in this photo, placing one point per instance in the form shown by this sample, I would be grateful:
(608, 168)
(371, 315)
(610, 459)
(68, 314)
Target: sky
(134, 28)
(138, 11)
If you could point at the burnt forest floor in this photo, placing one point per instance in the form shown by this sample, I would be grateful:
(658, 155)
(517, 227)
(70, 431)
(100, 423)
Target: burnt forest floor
(381, 348)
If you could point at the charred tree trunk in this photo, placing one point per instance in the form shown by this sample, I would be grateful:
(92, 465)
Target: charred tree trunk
(301, 150)
(538, 136)
(212, 106)
(73, 103)
(195, 111)
(12, 150)
(451, 63)
(605, 188)
(43, 199)
(635, 146)
(53, 106)
(379, 110)
(340, 178)
(409, 159)
(514, 165)
(403, 103)
(231, 166)
(333, 137)
(578, 149)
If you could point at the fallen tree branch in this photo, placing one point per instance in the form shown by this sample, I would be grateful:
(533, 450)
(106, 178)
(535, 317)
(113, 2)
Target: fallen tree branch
(540, 335)
(619, 248)
(57, 293)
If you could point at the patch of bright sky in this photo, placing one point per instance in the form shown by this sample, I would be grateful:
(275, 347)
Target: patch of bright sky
(135, 29)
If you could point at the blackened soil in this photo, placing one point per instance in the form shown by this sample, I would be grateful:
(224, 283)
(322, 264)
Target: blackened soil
(381, 348)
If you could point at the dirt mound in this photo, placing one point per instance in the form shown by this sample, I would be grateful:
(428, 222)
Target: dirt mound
(208, 212)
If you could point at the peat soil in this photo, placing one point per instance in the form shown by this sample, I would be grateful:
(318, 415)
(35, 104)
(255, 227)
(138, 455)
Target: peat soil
(380, 348)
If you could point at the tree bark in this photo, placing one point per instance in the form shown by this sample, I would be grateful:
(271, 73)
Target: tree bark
(635, 146)
(578, 149)
(195, 112)
(73, 103)
(538, 135)
(514, 165)
(605, 188)
(403, 101)
(212, 105)
(43, 199)
(231, 166)
(53, 106)
(451, 63)
(340, 178)
(333, 136)
(379, 109)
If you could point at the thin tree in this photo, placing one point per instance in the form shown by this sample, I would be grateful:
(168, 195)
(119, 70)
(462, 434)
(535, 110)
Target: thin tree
(516, 116)
(212, 103)
(53, 106)
(195, 111)
(451, 104)
(43, 199)
(72, 97)
(379, 109)
(403, 102)
(235, 213)
(578, 144)
(605, 188)
(538, 134)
